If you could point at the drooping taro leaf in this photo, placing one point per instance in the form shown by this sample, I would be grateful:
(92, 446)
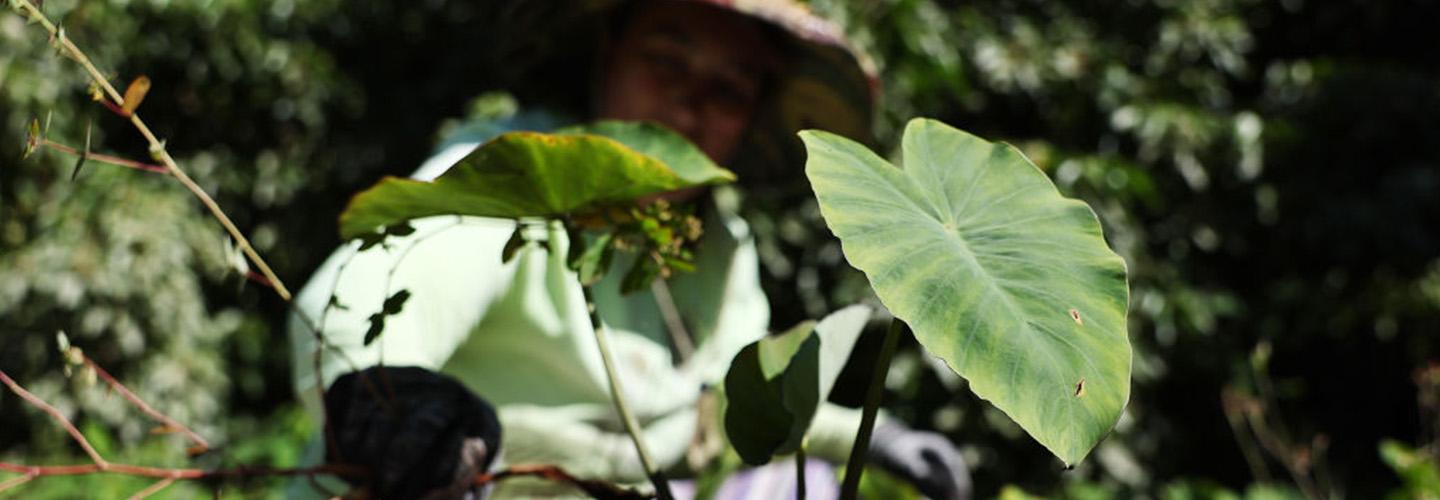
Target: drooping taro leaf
(1009, 282)
(530, 174)
(772, 391)
(838, 333)
(776, 384)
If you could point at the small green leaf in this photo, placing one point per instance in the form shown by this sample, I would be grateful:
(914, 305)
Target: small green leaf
(595, 261)
(641, 274)
(393, 305)
(84, 155)
(576, 239)
(772, 392)
(369, 240)
(396, 303)
(377, 326)
(680, 264)
(335, 303)
(402, 228)
(776, 384)
(514, 244)
(32, 139)
(656, 232)
(1420, 471)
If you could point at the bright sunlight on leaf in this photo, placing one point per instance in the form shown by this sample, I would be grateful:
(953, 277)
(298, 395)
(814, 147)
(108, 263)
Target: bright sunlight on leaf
(529, 174)
(1009, 282)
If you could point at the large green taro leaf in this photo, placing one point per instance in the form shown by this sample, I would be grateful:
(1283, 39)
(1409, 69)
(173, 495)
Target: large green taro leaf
(996, 273)
(531, 174)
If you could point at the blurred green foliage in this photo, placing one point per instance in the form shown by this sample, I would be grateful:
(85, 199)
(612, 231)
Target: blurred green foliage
(1420, 471)
(1268, 169)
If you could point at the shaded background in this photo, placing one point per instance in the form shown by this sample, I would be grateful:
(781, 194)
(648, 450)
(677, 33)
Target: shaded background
(1269, 170)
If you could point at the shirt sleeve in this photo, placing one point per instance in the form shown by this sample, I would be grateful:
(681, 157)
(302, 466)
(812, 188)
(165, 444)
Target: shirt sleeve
(443, 266)
(449, 267)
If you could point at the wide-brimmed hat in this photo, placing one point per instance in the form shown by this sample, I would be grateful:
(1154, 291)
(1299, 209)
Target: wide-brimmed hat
(824, 82)
(545, 52)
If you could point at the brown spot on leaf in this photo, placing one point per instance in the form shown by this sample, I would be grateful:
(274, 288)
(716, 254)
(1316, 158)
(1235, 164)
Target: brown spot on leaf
(1075, 315)
(1080, 387)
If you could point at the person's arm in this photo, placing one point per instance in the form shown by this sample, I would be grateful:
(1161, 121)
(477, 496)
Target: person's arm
(421, 434)
(417, 430)
(451, 268)
(589, 448)
(450, 265)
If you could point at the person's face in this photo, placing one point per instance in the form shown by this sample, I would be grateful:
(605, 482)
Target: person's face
(694, 68)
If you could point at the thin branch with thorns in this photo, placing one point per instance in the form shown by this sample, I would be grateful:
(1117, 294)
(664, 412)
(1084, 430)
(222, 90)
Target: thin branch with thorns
(170, 424)
(167, 476)
(157, 147)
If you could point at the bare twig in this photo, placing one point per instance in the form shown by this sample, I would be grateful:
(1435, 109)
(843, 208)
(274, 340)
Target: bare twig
(680, 338)
(167, 476)
(594, 488)
(104, 158)
(1258, 426)
(343, 470)
(170, 423)
(1235, 405)
(17, 481)
(54, 413)
(117, 103)
(157, 147)
(153, 489)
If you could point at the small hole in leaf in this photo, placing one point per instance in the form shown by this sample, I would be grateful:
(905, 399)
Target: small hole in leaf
(1075, 315)
(1080, 387)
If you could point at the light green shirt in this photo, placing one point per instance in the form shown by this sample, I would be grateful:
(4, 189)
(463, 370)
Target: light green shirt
(519, 335)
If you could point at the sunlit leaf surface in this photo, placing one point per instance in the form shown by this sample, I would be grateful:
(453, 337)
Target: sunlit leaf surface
(997, 273)
(530, 174)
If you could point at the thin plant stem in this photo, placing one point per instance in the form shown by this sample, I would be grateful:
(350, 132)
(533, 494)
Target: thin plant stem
(16, 481)
(800, 473)
(168, 166)
(167, 476)
(104, 158)
(1235, 406)
(680, 339)
(54, 413)
(157, 147)
(662, 488)
(856, 465)
(344, 470)
(153, 489)
(170, 423)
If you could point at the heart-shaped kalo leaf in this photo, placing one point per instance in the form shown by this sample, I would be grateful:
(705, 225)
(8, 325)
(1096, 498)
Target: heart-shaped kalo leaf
(1007, 281)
